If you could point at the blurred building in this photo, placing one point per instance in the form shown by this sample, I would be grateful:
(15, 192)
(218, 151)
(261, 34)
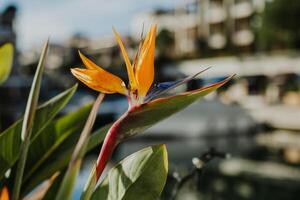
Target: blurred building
(206, 24)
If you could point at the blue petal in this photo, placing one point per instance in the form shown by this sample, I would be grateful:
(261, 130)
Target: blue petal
(162, 88)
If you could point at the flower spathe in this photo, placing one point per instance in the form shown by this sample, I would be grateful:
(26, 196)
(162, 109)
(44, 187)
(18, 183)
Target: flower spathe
(140, 72)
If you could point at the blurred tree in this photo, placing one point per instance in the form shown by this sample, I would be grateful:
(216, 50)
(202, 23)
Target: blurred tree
(281, 28)
(7, 18)
(165, 44)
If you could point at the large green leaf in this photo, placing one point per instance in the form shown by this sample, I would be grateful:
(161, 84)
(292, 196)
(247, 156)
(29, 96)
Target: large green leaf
(54, 135)
(6, 60)
(49, 140)
(10, 139)
(141, 175)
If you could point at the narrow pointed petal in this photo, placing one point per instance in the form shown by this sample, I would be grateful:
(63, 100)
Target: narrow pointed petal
(145, 63)
(201, 91)
(129, 67)
(100, 80)
(147, 38)
(87, 62)
(164, 87)
(159, 89)
(4, 194)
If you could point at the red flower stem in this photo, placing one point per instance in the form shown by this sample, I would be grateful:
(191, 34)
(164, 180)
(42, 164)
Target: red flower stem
(110, 142)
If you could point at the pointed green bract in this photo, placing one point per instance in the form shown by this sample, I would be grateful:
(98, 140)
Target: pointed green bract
(27, 123)
(6, 61)
(141, 175)
(146, 115)
(10, 139)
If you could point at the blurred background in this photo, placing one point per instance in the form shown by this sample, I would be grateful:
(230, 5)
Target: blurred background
(255, 117)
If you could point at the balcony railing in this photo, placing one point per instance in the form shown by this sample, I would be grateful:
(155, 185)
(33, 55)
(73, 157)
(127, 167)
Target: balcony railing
(217, 41)
(242, 10)
(217, 14)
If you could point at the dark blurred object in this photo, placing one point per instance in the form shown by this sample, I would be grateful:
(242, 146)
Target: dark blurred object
(170, 192)
(165, 47)
(8, 16)
(280, 27)
(234, 179)
(7, 31)
(13, 94)
(241, 179)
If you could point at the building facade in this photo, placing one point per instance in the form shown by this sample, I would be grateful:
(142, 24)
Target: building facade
(206, 24)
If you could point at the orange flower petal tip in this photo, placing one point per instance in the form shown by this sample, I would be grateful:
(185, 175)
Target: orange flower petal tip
(87, 62)
(145, 64)
(4, 194)
(129, 67)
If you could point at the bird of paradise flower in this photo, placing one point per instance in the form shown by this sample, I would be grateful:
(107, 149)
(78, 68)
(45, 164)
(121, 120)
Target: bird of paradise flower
(145, 108)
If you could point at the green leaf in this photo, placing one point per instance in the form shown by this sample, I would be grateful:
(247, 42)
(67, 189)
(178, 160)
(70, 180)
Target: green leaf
(28, 121)
(10, 139)
(6, 60)
(141, 175)
(66, 189)
(47, 144)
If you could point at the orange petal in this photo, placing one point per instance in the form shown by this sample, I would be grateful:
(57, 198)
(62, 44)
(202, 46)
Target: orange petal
(87, 62)
(130, 72)
(145, 63)
(4, 194)
(100, 80)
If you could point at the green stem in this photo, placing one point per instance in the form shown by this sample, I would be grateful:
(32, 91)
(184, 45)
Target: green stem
(65, 190)
(90, 185)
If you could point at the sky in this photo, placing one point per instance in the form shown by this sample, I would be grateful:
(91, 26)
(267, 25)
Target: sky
(59, 19)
